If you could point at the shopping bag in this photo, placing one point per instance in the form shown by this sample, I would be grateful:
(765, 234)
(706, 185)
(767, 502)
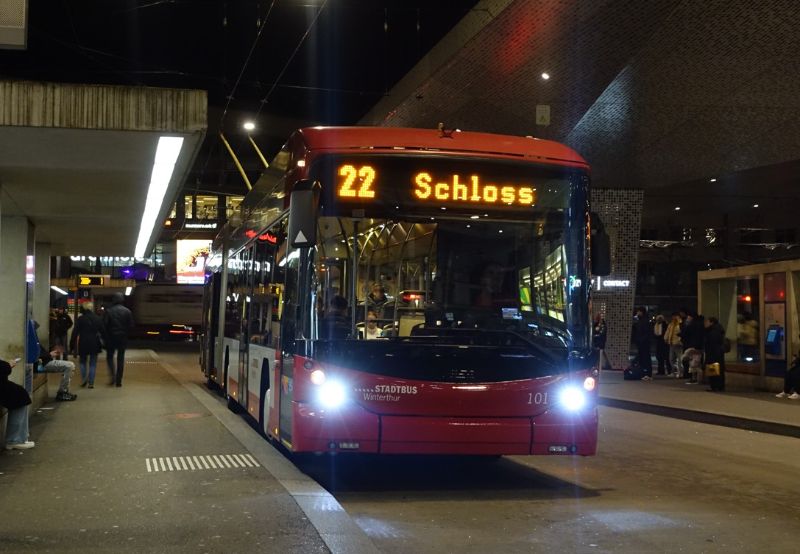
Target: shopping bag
(712, 370)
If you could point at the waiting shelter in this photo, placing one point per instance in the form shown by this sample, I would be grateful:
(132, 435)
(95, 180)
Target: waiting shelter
(758, 306)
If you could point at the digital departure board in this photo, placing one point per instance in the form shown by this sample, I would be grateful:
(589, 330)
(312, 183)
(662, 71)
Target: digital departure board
(373, 183)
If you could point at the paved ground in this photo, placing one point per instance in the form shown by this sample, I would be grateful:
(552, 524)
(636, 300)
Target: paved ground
(658, 484)
(90, 484)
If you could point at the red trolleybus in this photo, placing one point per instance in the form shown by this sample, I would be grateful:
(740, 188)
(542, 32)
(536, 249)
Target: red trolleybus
(410, 291)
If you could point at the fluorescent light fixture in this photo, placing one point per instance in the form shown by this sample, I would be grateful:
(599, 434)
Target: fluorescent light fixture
(128, 291)
(59, 290)
(166, 155)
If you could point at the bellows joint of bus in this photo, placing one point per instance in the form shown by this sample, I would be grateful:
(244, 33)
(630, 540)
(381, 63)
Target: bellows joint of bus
(600, 247)
(303, 214)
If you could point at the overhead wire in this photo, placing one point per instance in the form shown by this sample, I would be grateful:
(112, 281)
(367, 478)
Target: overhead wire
(291, 58)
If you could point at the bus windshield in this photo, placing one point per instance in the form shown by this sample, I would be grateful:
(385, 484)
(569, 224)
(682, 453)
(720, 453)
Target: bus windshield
(465, 274)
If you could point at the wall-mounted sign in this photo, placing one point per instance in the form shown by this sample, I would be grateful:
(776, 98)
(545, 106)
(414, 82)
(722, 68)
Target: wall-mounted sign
(91, 280)
(601, 283)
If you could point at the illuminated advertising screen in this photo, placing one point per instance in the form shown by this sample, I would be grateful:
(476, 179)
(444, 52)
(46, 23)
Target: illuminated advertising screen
(191, 261)
(379, 184)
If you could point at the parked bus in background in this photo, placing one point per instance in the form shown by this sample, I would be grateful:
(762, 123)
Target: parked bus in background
(167, 311)
(478, 249)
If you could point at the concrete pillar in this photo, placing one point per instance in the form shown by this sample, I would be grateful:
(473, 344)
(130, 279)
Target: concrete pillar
(41, 290)
(16, 281)
(621, 212)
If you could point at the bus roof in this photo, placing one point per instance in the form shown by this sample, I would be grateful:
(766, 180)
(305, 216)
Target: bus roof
(466, 142)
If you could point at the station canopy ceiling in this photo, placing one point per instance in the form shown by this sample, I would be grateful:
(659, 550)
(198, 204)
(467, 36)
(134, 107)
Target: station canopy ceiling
(664, 95)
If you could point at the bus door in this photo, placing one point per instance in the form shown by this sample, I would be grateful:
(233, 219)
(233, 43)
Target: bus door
(209, 361)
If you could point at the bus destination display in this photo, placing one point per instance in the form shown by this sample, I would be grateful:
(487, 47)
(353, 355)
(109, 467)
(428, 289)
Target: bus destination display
(426, 185)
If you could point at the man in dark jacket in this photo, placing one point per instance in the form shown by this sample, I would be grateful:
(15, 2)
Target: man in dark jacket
(117, 323)
(62, 323)
(715, 352)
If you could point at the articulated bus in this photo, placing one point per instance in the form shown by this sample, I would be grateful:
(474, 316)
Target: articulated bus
(413, 291)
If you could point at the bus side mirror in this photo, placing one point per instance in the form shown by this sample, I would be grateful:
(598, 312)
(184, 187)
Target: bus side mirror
(303, 207)
(600, 247)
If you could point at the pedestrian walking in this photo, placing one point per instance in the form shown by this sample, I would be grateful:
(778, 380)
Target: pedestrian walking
(86, 342)
(117, 323)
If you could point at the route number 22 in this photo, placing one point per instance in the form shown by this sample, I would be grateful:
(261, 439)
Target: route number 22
(365, 174)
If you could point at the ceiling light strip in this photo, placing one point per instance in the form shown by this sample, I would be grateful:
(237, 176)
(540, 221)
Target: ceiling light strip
(169, 148)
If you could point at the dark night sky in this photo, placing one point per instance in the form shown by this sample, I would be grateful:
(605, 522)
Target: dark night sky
(353, 53)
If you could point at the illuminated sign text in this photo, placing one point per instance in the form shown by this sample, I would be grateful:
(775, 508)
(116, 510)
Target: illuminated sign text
(363, 177)
(455, 189)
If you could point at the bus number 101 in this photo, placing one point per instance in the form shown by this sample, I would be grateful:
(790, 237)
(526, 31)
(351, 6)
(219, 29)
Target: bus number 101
(537, 398)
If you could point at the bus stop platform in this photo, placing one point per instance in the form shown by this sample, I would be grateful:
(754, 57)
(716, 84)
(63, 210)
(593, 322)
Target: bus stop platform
(160, 465)
(671, 397)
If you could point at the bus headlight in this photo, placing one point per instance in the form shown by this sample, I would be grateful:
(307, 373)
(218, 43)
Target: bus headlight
(331, 394)
(572, 398)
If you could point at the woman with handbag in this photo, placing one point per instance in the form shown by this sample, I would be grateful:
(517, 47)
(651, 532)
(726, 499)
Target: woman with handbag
(87, 342)
(16, 400)
(715, 354)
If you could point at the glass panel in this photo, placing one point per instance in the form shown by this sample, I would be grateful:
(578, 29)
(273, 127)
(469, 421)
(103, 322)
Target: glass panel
(187, 203)
(775, 316)
(206, 207)
(747, 315)
(232, 204)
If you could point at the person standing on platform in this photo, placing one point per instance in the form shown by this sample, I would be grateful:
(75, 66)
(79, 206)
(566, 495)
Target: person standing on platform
(62, 323)
(599, 336)
(692, 336)
(86, 342)
(672, 338)
(642, 335)
(16, 400)
(117, 323)
(662, 348)
(715, 352)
